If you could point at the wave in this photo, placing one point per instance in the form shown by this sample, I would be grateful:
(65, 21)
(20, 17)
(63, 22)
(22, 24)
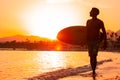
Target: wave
(61, 73)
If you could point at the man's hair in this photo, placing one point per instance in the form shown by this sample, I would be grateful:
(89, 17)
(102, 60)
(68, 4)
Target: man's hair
(95, 10)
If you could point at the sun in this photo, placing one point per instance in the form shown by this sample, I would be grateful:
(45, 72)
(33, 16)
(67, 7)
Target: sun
(47, 20)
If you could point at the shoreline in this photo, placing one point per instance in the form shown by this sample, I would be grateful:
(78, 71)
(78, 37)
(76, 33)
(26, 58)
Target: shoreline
(19, 49)
(62, 73)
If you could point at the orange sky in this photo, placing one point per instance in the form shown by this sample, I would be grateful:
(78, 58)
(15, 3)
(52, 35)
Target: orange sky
(46, 17)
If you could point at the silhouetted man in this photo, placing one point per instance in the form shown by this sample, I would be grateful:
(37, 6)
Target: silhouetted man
(94, 26)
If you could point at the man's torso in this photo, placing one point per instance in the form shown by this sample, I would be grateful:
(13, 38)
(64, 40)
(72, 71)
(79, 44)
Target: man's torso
(93, 29)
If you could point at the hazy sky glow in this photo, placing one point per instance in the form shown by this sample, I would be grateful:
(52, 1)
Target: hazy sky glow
(46, 17)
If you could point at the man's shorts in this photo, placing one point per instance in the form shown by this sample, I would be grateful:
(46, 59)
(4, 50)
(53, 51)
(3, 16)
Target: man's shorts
(93, 47)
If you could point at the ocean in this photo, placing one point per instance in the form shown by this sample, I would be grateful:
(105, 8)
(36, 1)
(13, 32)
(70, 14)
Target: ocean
(20, 65)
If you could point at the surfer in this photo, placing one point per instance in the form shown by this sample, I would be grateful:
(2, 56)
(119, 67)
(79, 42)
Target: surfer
(94, 26)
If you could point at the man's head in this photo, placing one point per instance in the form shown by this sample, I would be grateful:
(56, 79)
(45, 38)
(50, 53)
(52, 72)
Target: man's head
(94, 12)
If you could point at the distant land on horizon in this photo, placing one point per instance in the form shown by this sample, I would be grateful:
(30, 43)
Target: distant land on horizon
(22, 38)
(31, 38)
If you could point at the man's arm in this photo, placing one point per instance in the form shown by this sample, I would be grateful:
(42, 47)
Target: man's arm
(105, 36)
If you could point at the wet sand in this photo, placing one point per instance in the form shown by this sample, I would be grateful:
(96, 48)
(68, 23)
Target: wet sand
(79, 73)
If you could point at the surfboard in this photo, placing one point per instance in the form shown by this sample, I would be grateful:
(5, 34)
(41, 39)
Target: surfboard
(75, 35)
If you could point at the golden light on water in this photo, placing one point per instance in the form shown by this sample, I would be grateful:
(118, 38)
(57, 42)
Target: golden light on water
(50, 60)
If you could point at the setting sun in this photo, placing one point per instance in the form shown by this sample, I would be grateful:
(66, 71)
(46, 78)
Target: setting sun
(47, 20)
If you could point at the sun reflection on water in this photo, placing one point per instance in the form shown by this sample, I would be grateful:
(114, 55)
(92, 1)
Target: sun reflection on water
(50, 60)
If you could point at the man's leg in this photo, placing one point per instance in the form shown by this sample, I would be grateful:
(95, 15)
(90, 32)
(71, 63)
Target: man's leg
(93, 62)
(93, 51)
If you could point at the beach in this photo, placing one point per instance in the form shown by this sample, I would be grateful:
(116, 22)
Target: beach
(57, 65)
(107, 69)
